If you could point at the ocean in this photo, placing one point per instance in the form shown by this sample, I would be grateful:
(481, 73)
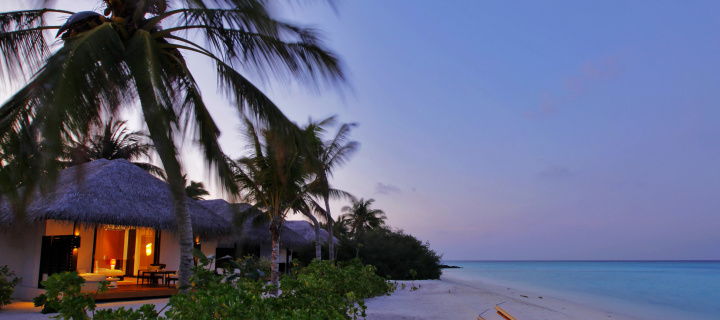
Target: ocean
(652, 290)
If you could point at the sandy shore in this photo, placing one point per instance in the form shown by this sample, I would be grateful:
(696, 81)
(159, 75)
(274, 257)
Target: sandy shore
(451, 298)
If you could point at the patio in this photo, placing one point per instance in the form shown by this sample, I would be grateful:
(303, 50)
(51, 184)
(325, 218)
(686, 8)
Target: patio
(128, 289)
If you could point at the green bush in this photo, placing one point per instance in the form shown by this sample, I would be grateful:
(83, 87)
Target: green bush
(145, 312)
(63, 295)
(8, 281)
(320, 291)
(394, 253)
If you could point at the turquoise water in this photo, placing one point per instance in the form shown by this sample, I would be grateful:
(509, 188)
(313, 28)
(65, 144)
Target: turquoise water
(661, 290)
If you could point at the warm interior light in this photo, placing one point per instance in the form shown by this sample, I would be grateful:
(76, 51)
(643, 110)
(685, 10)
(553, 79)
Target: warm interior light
(113, 262)
(148, 249)
(197, 240)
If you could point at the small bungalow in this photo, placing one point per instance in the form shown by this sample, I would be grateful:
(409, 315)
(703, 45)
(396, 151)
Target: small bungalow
(254, 239)
(103, 217)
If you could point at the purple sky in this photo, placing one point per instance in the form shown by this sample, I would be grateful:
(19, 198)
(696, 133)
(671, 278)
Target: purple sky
(523, 130)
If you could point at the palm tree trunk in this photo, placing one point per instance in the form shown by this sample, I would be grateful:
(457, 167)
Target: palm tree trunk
(274, 256)
(160, 135)
(318, 244)
(182, 216)
(331, 252)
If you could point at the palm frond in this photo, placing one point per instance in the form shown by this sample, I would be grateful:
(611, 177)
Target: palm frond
(22, 43)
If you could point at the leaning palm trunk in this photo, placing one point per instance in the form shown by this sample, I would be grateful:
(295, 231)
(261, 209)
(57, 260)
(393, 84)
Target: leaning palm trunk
(274, 256)
(331, 245)
(318, 245)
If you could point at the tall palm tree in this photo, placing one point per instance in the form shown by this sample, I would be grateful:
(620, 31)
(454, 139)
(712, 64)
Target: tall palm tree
(112, 140)
(274, 177)
(133, 55)
(326, 155)
(332, 154)
(361, 217)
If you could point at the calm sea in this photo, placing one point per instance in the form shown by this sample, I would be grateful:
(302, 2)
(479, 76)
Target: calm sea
(653, 290)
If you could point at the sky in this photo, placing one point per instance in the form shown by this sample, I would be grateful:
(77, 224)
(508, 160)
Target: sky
(524, 130)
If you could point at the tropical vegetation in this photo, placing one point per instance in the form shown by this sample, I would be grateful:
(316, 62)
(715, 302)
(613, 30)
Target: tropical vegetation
(393, 252)
(329, 155)
(360, 217)
(8, 281)
(323, 290)
(132, 54)
(112, 140)
(274, 177)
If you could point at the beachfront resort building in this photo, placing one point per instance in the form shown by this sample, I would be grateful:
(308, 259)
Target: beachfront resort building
(109, 219)
(105, 219)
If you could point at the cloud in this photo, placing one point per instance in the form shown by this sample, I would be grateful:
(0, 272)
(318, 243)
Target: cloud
(382, 188)
(555, 173)
(589, 74)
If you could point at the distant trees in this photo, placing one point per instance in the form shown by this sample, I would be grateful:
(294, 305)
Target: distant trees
(112, 140)
(363, 234)
(360, 216)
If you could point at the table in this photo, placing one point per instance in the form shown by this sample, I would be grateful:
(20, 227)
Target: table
(154, 275)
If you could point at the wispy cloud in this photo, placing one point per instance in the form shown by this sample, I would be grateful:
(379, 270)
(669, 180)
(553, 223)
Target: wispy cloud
(555, 173)
(382, 188)
(589, 74)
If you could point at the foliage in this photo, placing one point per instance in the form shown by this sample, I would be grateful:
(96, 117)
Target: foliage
(134, 55)
(111, 141)
(361, 217)
(63, 295)
(394, 253)
(8, 281)
(329, 155)
(320, 291)
(306, 254)
(145, 312)
(195, 190)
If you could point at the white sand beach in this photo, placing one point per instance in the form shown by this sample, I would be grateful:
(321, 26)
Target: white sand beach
(451, 298)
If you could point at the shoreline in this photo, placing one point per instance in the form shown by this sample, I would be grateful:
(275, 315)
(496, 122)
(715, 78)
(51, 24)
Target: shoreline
(455, 298)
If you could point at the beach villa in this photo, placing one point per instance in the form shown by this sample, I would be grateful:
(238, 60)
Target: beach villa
(105, 219)
(254, 239)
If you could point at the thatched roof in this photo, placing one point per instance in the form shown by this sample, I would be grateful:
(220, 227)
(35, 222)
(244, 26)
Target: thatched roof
(307, 230)
(294, 234)
(115, 192)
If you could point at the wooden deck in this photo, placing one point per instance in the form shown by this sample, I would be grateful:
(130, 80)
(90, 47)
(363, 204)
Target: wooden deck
(136, 292)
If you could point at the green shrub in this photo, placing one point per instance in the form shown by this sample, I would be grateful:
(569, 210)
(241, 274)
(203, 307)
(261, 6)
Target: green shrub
(145, 312)
(394, 253)
(320, 291)
(62, 295)
(8, 281)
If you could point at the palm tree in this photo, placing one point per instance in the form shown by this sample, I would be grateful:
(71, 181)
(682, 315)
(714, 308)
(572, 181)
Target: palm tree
(133, 55)
(325, 156)
(195, 190)
(273, 177)
(332, 154)
(361, 217)
(113, 141)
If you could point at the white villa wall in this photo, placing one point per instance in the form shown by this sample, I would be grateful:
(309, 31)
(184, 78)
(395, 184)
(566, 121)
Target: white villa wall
(20, 251)
(170, 249)
(85, 260)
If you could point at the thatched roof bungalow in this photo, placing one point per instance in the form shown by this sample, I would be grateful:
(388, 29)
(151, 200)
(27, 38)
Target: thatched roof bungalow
(105, 192)
(103, 217)
(294, 234)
